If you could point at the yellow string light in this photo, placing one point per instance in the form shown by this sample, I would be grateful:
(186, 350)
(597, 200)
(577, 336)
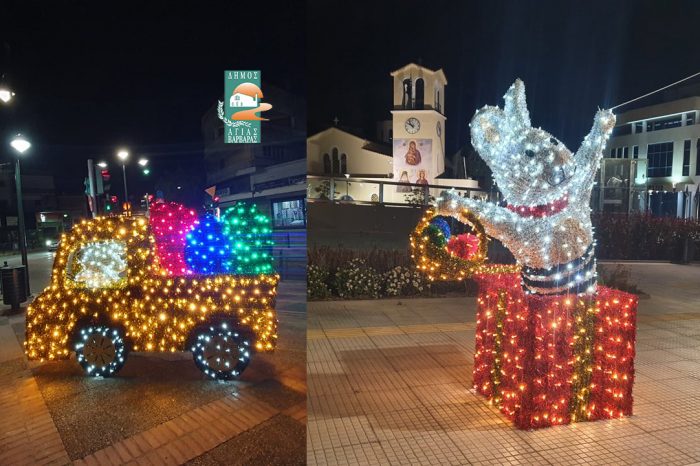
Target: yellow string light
(156, 312)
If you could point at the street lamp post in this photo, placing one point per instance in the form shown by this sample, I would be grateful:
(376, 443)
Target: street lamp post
(123, 155)
(6, 93)
(21, 145)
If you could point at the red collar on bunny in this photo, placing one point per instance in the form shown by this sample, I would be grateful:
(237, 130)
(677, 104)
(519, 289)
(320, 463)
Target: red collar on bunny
(543, 210)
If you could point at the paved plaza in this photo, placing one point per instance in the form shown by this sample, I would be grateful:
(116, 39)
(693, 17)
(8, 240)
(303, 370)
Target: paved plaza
(389, 382)
(159, 409)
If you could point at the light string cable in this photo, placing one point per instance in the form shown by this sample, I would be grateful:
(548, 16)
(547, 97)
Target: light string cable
(654, 92)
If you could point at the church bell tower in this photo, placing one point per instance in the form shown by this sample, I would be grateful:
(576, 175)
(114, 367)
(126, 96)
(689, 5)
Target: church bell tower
(418, 127)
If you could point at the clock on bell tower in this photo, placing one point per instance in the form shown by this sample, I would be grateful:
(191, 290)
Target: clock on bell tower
(418, 124)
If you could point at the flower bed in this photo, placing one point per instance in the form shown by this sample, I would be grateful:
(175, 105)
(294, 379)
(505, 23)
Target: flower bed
(339, 273)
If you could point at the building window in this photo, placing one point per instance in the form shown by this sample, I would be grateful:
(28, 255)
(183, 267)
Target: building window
(622, 130)
(239, 184)
(686, 157)
(274, 152)
(635, 152)
(344, 164)
(660, 159)
(664, 123)
(420, 93)
(612, 153)
(326, 164)
(619, 152)
(626, 153)
(690, 118)
(407, 98)
(335, 162)
(638, 127)
(289, 213)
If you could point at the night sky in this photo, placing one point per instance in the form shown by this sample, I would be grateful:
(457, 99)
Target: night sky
(573, 57)
(90, 79)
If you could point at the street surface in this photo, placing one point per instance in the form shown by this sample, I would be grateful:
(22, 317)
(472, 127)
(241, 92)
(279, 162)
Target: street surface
(159, 409)
(390, 382)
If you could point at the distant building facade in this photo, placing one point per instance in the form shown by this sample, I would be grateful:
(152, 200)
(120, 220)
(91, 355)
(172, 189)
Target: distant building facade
(662, 144)
(39, 198)
(409, 148)
(271, 174)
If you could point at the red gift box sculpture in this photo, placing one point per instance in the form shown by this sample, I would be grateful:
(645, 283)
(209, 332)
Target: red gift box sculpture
(552, 347)
(548, 360)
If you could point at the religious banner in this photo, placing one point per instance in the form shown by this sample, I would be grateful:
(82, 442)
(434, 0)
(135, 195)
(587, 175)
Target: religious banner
(412, 163)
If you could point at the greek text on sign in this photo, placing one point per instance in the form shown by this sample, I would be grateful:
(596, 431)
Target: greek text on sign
(241, 107)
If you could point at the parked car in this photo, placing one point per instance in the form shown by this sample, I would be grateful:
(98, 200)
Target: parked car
(52, 244)
(108, 296)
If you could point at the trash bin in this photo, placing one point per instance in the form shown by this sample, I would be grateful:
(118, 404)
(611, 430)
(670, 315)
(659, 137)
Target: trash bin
(14, 285)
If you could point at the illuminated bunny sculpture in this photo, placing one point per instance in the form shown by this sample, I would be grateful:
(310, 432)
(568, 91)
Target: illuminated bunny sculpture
(546, 224)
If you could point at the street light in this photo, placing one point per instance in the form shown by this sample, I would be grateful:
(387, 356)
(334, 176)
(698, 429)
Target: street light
(143, 162)
(123, 155)
(21, 145)
(5, 94)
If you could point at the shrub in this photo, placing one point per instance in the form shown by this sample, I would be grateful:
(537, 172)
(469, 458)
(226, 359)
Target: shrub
(357, 280)
(641, 236)
(401, 281)
(333, 258)
(618, 278)
(317, 280)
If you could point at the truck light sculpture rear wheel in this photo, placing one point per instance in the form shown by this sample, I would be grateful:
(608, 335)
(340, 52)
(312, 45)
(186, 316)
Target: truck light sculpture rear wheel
(221, 351)
(100, 350)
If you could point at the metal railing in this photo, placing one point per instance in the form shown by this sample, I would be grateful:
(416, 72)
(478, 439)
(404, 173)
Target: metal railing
(636, 200)
(373, 191)
(289, 254)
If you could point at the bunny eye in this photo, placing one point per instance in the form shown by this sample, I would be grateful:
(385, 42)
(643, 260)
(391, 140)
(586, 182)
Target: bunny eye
(530, 153)
(553, 141)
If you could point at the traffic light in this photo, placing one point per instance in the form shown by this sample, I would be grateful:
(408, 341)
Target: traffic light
(111, 203)
(102, 178)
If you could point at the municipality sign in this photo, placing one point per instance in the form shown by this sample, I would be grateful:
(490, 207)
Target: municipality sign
(241, 105)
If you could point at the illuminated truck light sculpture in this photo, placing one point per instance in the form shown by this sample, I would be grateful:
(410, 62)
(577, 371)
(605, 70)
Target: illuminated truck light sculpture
(122, 284)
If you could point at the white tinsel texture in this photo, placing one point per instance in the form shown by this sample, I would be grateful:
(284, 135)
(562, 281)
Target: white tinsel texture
(534, 170)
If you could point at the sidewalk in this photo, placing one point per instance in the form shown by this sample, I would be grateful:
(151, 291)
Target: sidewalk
(390, 383)
(163, 412)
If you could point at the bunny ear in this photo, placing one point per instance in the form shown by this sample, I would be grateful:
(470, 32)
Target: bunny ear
(515, 108)
(488, 129)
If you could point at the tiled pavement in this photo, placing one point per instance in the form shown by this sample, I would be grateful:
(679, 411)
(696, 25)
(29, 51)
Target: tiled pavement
(389, 382)
(37, 405)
